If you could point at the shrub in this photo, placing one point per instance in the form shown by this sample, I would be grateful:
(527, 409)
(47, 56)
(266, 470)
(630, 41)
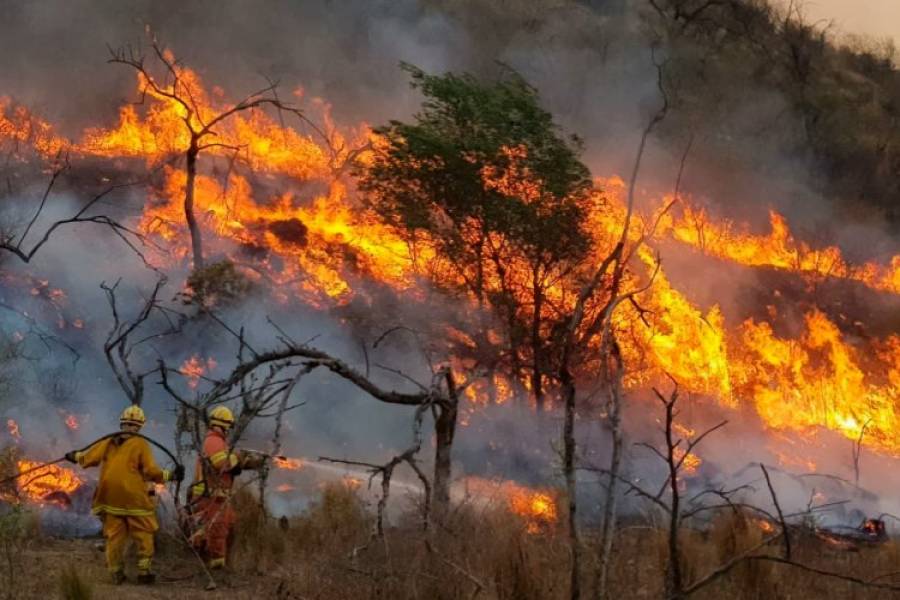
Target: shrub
(216, 285)
(72, 586)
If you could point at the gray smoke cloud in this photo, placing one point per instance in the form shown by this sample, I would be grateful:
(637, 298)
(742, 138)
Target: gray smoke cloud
(590, 62)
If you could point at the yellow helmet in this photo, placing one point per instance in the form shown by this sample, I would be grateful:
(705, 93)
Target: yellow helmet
(133, 415)
(221, 416)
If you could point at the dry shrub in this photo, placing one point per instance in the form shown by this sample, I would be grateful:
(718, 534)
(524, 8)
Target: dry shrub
(329, 552)
(8, 467)
(736, 532)
(72, 586)
(497, 548)
(338, 521)
(332, 525)
(18, 527)
(216, 285)
(729, 534)
(257, 543)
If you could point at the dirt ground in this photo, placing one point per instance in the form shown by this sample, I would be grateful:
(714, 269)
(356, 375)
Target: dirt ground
(178, 571)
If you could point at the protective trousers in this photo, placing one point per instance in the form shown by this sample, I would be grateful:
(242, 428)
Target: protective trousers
(118, 529)
(215, 518)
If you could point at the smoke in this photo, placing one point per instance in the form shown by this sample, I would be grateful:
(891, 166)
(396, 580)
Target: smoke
(594, 70)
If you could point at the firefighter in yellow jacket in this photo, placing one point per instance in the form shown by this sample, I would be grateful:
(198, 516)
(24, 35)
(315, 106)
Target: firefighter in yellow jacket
(121, 499)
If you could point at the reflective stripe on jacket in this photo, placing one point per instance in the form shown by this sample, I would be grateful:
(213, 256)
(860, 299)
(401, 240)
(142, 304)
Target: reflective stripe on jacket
(126, 465)
(220, 462)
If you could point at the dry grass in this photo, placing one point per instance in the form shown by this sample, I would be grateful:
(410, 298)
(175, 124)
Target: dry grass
(328, 553)
(72, 585)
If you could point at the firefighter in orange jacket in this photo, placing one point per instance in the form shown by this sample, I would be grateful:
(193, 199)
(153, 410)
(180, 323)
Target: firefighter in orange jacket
(121, 500)
(210, 494)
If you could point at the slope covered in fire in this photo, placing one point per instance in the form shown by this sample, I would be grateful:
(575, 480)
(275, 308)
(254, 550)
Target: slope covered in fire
(275, 196)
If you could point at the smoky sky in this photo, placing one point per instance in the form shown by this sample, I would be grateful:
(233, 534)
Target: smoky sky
(348, 52)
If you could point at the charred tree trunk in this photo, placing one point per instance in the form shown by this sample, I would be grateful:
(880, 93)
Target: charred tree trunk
(673, 583)
(568, 389)
(537, 386)
(445, 430)
(190, 217)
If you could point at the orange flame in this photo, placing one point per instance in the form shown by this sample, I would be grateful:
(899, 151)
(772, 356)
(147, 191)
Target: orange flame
(312, 239)
(38, 485)
(194, 368)
(691, 462)
(21, 128)
(292, 464)
(779, 249)
(536, 507)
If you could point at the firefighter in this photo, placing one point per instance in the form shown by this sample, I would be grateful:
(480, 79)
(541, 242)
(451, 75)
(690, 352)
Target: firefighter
(210, 494)
(121, 500)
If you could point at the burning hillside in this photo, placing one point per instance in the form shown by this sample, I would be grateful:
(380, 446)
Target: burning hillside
(601, 289)
(317, 244)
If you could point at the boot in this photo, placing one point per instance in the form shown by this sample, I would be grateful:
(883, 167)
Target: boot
(118, 577)
(215, 564)
(146, 578)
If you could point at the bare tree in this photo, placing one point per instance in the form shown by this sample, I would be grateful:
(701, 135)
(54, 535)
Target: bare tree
(127, 335)
(201, 126)
(16, 242)
(260, 378)
(594, 333)
(857, 450)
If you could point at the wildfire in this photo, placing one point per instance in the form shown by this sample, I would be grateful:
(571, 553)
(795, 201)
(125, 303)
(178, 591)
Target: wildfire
(690, 463)
(194, 368)
(50, 480)
(19, 126)
(291, 464)
(779, 249)
(536, 507)
(284, 488)
(285, 211)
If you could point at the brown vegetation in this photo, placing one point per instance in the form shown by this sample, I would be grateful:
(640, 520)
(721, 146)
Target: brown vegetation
(481, 552)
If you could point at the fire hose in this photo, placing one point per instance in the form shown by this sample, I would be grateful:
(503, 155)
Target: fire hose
(211, 585)
(97, 441)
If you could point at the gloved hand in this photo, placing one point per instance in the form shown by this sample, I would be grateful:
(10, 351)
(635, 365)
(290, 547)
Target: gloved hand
(178, 473)
(236, 470)
(70, 456)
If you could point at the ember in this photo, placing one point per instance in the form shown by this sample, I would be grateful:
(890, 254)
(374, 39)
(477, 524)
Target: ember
(72, 422)
(194, 368)
(874, 528)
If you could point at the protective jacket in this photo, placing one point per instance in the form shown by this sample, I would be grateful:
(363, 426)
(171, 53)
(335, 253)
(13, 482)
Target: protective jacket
(126, 464)
(214, 478)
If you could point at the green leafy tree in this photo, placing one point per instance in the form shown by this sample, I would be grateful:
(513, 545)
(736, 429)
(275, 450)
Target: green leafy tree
(486, 181)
